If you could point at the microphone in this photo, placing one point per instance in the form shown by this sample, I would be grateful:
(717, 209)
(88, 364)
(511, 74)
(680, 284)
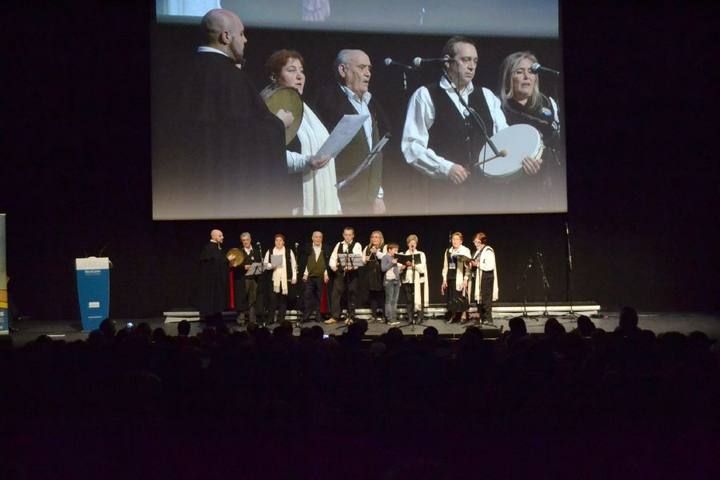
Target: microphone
(389, 62)
(418, 61)
(536, 67)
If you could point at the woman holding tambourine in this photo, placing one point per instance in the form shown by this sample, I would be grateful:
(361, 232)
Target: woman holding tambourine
(319, 191)
(523, 103)
(455, 276)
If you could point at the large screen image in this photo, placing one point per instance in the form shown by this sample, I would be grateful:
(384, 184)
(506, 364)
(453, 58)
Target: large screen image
(306, 108)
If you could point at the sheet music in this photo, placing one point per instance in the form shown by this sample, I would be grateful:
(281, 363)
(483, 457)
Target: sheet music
(256, 268)
(342, 134)
(365, 164)
(353, 259)
(276, 260)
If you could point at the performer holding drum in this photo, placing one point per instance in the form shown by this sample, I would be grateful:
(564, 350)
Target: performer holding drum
(526, 107)
(443, 139)
(522, 101)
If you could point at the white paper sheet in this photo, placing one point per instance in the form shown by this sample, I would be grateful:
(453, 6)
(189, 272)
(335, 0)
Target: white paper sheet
(344, 131)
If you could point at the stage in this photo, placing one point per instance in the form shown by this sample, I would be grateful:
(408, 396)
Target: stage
(659, 322)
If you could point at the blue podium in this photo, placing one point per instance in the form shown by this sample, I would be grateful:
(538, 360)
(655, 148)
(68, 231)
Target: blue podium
(93, 286)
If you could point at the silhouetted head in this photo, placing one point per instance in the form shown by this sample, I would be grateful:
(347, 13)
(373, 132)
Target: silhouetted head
(431, 332)
(628, 319)
(553, 328)
(585, 326)
(183, 328)
(107, 327)
(517, 326)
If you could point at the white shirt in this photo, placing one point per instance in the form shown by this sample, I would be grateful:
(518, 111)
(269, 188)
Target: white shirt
(206, 49)
(420, 118)
(342, 247)
(362, 107)
(486, 262)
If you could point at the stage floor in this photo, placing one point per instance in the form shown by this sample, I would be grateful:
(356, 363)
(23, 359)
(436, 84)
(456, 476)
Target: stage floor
(658, 322)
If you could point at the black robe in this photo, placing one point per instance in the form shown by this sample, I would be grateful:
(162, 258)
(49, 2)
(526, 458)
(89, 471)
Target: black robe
(212, 295)
(220, 153)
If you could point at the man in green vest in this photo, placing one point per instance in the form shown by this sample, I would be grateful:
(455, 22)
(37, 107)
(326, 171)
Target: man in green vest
(315, 275)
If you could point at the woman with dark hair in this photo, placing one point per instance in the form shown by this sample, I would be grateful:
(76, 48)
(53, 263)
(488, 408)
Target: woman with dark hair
(320, 197)
(455, 274)
(283, 265)
(484, 289)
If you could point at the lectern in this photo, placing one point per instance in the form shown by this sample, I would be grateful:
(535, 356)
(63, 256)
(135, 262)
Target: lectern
(93, 286)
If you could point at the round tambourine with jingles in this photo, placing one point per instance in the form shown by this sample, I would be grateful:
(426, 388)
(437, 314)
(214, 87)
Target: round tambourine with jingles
(285, 98)
(514, 144)
(239, 256)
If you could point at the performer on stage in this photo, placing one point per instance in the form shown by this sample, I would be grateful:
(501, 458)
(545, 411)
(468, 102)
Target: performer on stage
(320, 196)
(392, 271)
(350, 95)
(215, 130)
(484, 290)
(455, 275)
(246, 281)
(284, 274)
(315, 265)
(214, 268)
(522, 101)
(443, 141)
(372, 273)
(345, 281)
(415, 282)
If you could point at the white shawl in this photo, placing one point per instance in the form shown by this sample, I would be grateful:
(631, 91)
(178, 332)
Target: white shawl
(320, 195)
(487, 258)
(421, 279)
(279, 275)
(460, 274)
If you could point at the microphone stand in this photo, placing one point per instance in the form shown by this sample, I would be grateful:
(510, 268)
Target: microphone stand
(546, 283)
(569, 269)
(261, 309)
(346, 282)
(524, 285)
(476, 117)
(411, 320)
(298, 313)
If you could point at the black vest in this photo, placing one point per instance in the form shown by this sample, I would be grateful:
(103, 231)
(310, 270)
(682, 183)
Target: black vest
(452, 272)
(453, 137)
(350, 249)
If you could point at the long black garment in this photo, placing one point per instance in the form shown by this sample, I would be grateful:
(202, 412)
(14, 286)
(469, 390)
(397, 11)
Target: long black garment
(219, 152)
(213, 289)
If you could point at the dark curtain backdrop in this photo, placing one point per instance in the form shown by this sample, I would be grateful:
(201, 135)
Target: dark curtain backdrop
(642, 176)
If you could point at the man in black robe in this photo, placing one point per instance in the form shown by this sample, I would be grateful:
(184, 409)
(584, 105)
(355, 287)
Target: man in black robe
(219, 152)
(212, 298)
